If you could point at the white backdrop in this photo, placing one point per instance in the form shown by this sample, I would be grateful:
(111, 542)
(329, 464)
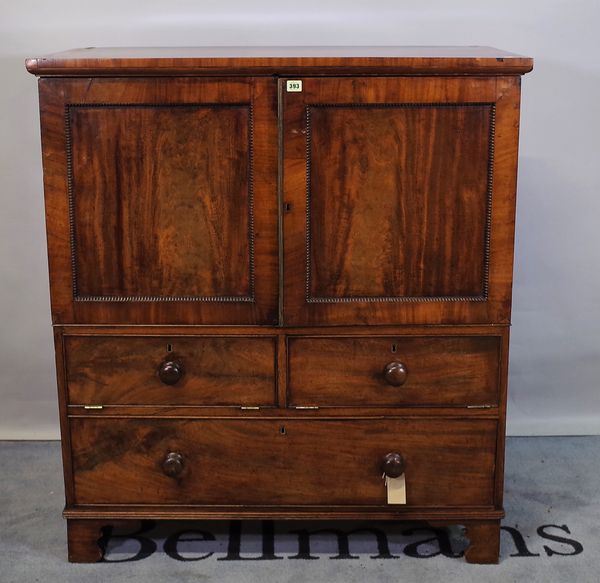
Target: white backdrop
(555, 353)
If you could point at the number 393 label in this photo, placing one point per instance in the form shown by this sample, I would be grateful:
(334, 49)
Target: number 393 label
(293, 86)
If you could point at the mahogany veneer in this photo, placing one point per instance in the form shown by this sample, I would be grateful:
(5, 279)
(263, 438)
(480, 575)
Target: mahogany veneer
(277, 274)
(267, 461)
(359, 371)
(114, 370)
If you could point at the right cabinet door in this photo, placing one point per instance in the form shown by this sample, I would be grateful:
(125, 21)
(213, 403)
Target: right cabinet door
(399, 199)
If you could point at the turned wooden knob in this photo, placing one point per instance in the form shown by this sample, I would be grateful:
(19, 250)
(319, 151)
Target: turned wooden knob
(173, 464)
(170, 372)
(395, 373)
(392, 465)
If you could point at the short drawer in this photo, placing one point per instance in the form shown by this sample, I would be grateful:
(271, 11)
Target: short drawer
(152, 370)
(287, 462)
(393, 371)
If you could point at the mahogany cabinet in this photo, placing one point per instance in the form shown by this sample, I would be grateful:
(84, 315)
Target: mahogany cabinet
(281, 282)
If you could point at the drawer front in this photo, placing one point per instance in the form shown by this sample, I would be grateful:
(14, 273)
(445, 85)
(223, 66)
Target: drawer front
(211, 371)
(280, 462)
(392, 371)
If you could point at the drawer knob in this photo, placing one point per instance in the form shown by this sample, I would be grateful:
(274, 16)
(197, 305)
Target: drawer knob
(395, 373)
(170, 372)
(173, 464)
(392, 465)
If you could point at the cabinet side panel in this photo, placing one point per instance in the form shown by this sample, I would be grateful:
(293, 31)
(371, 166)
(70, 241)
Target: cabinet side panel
(65, 432)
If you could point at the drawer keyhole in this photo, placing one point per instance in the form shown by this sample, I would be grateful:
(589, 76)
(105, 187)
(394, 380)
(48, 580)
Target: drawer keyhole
(394, 348)
(282, 430)
(169, 347)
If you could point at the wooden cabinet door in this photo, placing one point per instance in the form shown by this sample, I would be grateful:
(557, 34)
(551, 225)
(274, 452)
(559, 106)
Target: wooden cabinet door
(398, 198)
(161, 199)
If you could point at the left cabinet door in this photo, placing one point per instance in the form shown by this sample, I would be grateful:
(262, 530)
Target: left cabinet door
(161, 199)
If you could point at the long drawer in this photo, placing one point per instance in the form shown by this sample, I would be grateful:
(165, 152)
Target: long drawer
(393, 371)
(160, 370)
(299, 462)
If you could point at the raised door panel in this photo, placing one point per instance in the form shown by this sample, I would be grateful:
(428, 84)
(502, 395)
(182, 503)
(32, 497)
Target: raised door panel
(387, 195)
(399, 199)
(160, 200)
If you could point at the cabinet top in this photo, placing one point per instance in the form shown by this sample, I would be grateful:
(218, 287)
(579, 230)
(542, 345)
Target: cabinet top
(280, 60)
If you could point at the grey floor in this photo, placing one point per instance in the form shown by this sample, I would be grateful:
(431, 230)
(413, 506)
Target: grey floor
(552, 505)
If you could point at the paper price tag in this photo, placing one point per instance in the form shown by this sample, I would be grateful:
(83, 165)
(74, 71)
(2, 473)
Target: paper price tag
(294, 86)
(396, 490)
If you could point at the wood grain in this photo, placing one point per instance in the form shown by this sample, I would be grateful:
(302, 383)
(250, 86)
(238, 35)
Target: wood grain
(166, 206)
(398, 201)
(454, 515)
(361, 225)
(86, 538)
(229, 462)
(484, 547)
(162, 204)
(268, 412)
(83, 538)
(447, 371)
(281, 60)
(65, 431)
(231, 371)
(401, 226)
